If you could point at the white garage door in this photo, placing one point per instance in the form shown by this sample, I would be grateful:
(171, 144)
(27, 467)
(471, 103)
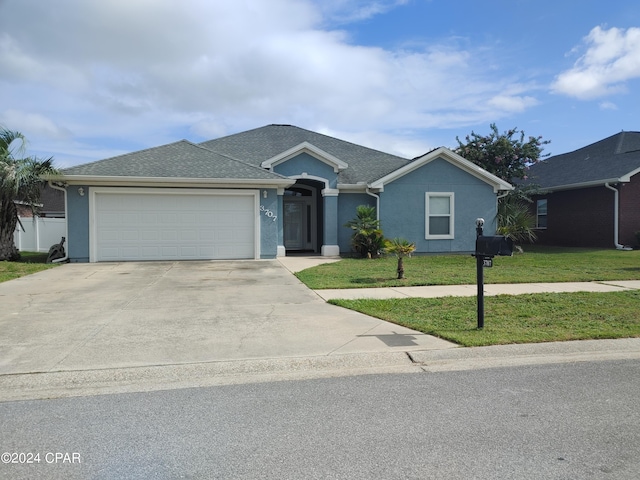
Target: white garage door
(152, 225)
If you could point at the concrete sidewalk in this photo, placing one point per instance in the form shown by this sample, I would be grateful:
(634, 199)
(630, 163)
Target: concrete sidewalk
(472, 290)
(298, 263)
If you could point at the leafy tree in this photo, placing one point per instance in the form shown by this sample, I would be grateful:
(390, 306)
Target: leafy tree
(509, 157)
(501, 154)
(20, 179)
(401, 248)
(367, 239)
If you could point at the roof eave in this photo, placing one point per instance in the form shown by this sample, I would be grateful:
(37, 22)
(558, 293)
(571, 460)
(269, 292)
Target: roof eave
(593, 183)
(353, 187)
(172, 181)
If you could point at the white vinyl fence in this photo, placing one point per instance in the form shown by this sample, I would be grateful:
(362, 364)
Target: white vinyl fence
(40, 233)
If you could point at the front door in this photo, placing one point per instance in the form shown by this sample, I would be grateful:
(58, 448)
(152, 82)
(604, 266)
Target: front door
(300, 220)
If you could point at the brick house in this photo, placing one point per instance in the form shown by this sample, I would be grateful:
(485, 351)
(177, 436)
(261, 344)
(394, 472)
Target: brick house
(591, 195)
(51, 204)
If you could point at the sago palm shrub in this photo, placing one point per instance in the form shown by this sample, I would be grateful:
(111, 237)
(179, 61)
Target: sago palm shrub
(401, 248)
(367, 238)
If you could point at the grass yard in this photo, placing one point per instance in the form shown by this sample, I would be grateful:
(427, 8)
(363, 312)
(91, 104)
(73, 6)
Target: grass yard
(537, 264)
(513, 319)
(31, 262)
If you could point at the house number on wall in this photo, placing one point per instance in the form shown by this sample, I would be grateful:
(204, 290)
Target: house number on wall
(268, 213)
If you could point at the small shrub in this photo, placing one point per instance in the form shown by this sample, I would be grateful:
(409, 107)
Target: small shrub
(401, 248)
(367, 239)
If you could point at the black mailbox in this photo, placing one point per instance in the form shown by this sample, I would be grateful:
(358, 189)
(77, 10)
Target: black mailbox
(490, 246)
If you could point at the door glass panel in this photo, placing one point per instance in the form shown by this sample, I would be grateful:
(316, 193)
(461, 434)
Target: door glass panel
(293, 225)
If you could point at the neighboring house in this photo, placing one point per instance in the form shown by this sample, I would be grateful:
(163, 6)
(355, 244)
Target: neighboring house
(51, 204)
(592, 195)
(268, 192)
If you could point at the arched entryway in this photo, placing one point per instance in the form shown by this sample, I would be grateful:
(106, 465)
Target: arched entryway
(302, 220)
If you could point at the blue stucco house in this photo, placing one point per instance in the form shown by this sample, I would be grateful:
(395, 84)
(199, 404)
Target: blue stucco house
(268, 192)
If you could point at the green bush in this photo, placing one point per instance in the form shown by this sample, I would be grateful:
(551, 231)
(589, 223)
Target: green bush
(367, 239)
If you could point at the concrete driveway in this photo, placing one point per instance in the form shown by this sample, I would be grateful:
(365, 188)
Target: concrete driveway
(80, 317)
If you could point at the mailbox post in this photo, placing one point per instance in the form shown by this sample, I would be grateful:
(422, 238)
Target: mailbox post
(487, 247)
(480, 274)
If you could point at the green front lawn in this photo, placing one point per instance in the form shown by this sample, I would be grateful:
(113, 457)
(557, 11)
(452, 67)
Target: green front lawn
(537, 264)
(30, 262)
(509, 319)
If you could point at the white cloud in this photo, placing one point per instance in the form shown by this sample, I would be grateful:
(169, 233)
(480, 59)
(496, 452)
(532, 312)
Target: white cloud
(608, 106)
(146, 72)
(347, 11)
(33, 123)
(612, 58)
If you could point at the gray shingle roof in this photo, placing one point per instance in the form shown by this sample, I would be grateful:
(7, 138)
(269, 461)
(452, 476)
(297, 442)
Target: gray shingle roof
(181, 159)
(612, 158)
(260, 144)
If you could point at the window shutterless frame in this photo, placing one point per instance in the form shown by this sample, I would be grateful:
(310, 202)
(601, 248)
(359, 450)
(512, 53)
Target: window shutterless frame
(541, 213)
(439, 215)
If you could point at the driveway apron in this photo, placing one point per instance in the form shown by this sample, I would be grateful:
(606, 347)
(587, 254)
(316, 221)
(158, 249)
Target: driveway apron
(115, 315)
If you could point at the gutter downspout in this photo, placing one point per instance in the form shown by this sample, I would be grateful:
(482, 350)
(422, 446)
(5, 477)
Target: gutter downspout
(616, 214)
(66, 223)
(377, 197)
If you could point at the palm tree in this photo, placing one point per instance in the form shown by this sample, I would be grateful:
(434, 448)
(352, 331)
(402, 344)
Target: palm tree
(515, 220)
(367, 238)
(20, 179)
(401, 248)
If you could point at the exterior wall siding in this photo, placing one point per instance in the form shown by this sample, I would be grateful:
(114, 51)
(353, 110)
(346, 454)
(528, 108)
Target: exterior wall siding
(578, 218)
(630, 211)
(78, 224)
(402, 206)
(270, 223)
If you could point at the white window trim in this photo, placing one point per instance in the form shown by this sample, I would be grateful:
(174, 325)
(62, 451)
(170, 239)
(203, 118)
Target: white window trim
(451, 196)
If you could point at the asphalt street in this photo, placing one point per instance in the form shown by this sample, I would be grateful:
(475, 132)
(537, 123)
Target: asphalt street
(553, 421)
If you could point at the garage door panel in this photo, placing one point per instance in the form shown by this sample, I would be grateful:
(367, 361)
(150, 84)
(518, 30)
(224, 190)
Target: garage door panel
(169, 235)
(173, 226)
(149, 234)
(149, 252)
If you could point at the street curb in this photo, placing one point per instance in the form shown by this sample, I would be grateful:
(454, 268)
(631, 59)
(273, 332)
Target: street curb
(527, 354)
(61, 384)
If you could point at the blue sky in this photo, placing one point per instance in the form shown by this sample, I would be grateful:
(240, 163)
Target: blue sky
(89, 79)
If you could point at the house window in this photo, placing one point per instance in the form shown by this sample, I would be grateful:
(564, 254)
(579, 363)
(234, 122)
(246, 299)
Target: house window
(439, 215)
(541, 213)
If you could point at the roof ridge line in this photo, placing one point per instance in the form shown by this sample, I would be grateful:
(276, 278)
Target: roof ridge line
(233, 159)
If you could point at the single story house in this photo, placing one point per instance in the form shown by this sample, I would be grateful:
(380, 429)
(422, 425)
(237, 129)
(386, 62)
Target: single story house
(591, 195)
(267, 192)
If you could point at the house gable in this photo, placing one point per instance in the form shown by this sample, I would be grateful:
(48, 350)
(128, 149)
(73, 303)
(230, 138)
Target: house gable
(310, 167)
(454, 159)
(403, 206)
(309, 149)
